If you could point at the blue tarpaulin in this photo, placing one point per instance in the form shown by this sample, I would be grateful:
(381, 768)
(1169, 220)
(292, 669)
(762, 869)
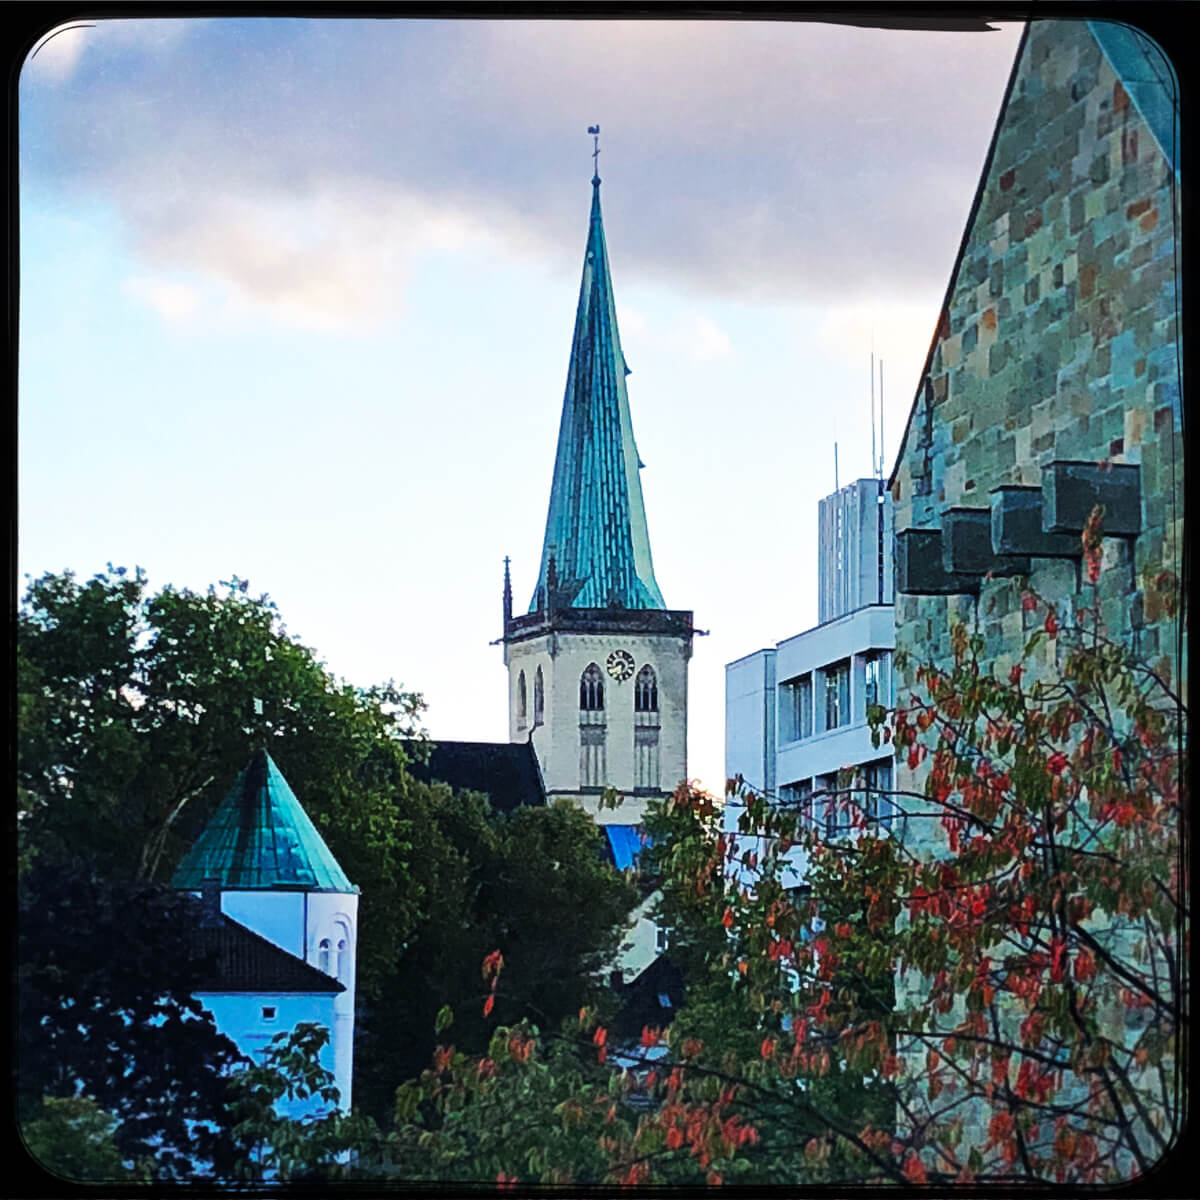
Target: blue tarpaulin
(625, 841)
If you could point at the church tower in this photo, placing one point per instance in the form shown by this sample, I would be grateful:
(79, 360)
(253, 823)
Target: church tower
(598, 666)
(267, 867)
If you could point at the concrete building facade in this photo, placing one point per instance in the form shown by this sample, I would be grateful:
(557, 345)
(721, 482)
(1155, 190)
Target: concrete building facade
(796, 713)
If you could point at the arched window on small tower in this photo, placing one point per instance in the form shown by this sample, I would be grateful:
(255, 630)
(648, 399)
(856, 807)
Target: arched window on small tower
(645, 691)
(324, 948)
(539, 698)
(521, 705)
(646, 773)
(593, 766)
(343, 960)
(591, 690)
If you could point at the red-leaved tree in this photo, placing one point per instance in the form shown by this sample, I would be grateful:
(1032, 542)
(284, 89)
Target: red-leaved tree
(984, 978)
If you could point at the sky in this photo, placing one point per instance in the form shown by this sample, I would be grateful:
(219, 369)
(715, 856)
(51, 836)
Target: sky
(296, 302)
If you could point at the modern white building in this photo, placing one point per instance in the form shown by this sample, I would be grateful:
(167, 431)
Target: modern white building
(796, 713)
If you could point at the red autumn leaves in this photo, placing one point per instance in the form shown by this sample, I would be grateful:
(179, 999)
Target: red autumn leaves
(492, 966)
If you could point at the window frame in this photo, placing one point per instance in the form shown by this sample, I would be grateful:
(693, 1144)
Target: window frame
(591, 689)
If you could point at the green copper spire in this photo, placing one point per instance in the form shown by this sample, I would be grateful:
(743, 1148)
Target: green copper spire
(260, 837)
(596, 535)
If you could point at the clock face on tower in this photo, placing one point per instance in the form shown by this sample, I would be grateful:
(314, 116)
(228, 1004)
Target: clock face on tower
(620, 664)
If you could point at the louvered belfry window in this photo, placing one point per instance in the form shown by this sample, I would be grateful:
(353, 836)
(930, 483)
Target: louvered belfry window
(645, 692)
(591, 690)
(646, 769)
(593, 733)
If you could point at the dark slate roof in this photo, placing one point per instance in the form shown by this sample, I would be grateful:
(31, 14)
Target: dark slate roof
(596, 529)
(507, 772)
(242, 961)
(261, 837)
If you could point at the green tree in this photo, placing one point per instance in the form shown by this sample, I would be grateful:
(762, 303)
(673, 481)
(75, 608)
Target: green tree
(531, 883)
(136, 711)
(324, 1143)
(105, 1009)
(72, 1136)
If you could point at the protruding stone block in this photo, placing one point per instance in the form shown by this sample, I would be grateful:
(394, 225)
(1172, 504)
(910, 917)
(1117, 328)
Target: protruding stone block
(919, 569)
(967, 545)
(1017, 526)
(1070, 490)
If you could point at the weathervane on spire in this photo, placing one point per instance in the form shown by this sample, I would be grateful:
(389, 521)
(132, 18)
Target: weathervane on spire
(594, 130)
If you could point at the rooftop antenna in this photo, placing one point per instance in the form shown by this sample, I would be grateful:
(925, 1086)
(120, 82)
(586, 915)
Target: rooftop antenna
(835, 473)
(881, 418)
(594, 130)
(874, 459)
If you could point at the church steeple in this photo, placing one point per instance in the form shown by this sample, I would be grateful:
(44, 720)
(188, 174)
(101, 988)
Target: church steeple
(596, 529)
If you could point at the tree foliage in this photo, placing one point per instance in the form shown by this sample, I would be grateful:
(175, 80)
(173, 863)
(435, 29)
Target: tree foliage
(281, 1145)
(136, 712)
(105, 1010)
(72, 1136)
(1028, 901)
(532, 882)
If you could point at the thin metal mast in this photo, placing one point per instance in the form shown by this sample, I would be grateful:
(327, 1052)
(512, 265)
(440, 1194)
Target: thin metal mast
(873, 456)
(881, 454)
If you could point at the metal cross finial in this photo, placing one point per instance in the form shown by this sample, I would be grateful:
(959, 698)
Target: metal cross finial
(594, 130)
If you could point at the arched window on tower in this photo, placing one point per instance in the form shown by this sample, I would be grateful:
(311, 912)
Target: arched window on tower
(645, 731)
(343, 960)
(645, 691)
(539, 698)
(521, 706)
(591, 690)
(593, 767)
(323, 956)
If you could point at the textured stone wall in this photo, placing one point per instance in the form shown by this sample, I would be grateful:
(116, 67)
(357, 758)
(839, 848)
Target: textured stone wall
(1059, 341)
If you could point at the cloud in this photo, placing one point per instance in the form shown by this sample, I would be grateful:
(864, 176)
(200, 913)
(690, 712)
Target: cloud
(307, 162)
(333, 260)
(707, 339)
(172, 301)
(696, 336)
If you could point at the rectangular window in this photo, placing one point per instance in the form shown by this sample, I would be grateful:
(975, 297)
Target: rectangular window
(836, 811)
(798, 796)
(871, 681)
(268, 1012)
(837, 695)
(878, 779)
(797, 706)
(662, 938)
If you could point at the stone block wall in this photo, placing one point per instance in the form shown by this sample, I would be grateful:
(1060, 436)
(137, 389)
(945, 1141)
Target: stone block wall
(1059, 341)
